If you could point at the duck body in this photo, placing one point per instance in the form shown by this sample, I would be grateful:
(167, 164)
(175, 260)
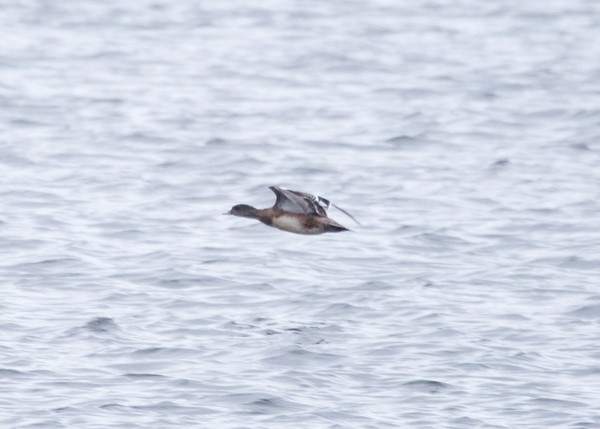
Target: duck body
(300, 223)
(296, 212)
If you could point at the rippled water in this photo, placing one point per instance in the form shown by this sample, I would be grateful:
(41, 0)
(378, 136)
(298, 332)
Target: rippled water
(463, 134)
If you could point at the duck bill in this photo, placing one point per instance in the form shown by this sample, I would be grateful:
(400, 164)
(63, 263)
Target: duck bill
(227, 213)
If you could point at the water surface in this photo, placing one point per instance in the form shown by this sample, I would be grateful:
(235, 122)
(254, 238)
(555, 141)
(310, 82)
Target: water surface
(464, 136)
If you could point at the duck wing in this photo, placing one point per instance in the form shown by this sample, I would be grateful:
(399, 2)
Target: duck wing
(303, 202)
(318, 204)
(298, 202)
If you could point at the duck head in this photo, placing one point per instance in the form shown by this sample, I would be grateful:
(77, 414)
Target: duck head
(243, 210)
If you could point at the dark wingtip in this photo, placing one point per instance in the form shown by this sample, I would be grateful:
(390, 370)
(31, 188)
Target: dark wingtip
(275, 189)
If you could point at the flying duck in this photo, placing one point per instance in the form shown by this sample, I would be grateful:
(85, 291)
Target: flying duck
(294, 211)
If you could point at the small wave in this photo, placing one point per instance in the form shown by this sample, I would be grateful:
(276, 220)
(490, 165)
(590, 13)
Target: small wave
(101, 324)
(430, 386)
(12, 373)
(296, 355)
(587, 312)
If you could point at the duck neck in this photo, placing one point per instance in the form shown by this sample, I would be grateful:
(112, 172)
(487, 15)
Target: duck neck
(266, 215)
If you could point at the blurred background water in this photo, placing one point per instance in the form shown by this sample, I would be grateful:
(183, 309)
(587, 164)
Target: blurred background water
(463, 134)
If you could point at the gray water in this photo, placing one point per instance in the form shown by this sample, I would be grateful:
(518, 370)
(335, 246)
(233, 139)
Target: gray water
(464, 135)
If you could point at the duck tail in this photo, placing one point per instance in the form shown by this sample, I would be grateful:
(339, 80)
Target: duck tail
(336, 228)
